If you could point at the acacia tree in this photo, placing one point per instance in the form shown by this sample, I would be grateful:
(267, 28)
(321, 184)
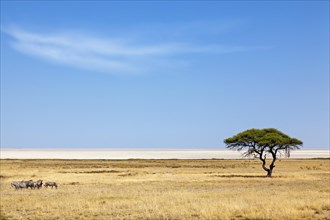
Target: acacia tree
(262, 142)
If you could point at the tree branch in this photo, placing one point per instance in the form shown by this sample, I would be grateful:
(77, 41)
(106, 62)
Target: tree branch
(263, 160)
(274, 157)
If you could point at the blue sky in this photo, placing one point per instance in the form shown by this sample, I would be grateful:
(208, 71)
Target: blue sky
(162, 74)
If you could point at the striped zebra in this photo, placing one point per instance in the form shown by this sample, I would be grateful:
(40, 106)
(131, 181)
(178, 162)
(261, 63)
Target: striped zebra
(38, 184)
(15, 185)
(19, 185)
(29, 184)
(52, 184)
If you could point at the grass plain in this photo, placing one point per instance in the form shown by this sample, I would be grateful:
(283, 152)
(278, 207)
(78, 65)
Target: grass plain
(166, 189)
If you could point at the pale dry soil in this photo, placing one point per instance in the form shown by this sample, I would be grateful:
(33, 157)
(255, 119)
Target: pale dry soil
(167, 189)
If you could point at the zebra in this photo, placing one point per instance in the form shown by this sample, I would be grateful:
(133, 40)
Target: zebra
(15, 185)
(52, 184)
(38, 184)
(29, 184)
(20, 185)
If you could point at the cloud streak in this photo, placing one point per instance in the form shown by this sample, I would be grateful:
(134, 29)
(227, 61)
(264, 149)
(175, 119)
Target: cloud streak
(109, 55)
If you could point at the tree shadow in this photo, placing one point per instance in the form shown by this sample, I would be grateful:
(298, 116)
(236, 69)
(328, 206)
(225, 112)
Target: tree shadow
(242, 176)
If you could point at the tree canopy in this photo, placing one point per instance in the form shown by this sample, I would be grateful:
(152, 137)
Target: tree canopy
(260, 142)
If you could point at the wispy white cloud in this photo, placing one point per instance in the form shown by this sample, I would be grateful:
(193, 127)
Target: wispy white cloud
(108, 54)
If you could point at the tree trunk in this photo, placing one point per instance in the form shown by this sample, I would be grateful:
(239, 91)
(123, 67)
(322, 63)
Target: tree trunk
(263, 159)
(271, 167)
(270, 172)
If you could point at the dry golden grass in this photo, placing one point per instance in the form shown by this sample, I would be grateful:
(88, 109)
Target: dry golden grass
(167, 189)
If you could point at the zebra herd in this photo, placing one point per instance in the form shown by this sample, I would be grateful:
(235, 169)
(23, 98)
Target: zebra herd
(32, 185)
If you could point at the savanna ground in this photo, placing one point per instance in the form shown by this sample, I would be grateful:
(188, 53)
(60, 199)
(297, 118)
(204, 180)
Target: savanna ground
(167, 189)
